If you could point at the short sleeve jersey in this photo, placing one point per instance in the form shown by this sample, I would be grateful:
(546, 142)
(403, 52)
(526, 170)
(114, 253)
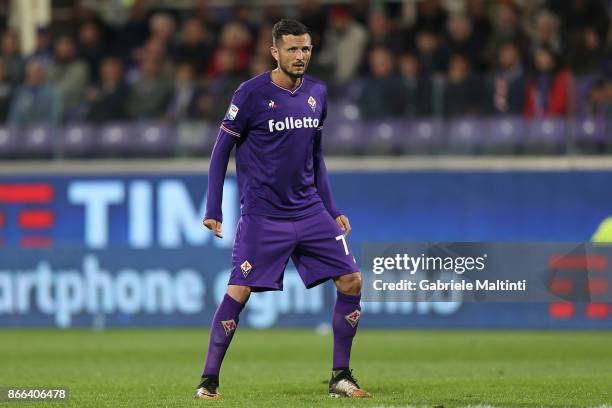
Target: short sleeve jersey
(275, 130)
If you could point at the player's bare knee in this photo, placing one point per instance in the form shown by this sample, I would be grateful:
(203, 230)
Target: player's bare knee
(349, 284)
(239, 293)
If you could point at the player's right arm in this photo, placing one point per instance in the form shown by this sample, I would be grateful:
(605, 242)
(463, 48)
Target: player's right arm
(230, 131)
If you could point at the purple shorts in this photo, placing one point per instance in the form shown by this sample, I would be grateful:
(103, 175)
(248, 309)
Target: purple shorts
(263, 246)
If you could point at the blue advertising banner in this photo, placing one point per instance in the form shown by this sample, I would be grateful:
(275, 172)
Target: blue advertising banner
(129, 250)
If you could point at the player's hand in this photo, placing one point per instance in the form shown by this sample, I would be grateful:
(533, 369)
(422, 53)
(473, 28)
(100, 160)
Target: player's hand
(214, 226)
(344, 224)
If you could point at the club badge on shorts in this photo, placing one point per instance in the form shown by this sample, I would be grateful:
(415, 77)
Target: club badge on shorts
(246, 268)
(312, 103)
(353, 318)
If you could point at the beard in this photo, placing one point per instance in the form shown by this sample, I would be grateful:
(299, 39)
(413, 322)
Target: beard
(293, 75)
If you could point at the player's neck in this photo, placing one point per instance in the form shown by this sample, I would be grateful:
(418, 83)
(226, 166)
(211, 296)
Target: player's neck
(285, 81)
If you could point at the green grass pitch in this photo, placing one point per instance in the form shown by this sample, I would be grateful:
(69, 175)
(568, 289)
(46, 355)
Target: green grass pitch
(290, 368)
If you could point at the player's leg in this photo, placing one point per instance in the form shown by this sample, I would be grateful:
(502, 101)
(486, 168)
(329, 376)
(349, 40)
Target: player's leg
(222, 329)
(347, 312)
(322, 254)
(260, 254)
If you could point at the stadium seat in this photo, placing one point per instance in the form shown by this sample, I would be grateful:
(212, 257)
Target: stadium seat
(36, 142)
(7, 143)
(382, 137)
(77, 140)
(344, 137)
(113, 140)
(196, 138)
(504, 134)
(158, 140)
(465, 135)
(422, 136)
(546, 136)
(591, 132)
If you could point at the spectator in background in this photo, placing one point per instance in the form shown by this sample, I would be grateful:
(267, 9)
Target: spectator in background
(13, 62)
(600, 99)
(587, 52)
(381, 96)
(150, 93)
(546, 32)
(416, 89)
(507, 28)
(509, 82)
(312, 16)
(463, 93)
(431, 16)
(194, 47)
(107, 98)
(461, 40)
(432, 57)
(221, 87)
(131, 34)
(550, 87)
(154, 48)
(186, 98)
(477, 13)
(69, 76)
(43, 47)
(7, 88)
(236, 39)
(577, 15)
(162, 28)
(36, 101)
(345, 43)
(91, 48)
(382, 33)
(259, 65)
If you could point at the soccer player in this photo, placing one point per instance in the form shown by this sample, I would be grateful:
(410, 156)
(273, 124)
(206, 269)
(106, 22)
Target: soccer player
(275, 120)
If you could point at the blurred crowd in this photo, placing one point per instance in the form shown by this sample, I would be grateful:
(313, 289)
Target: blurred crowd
(481, 58)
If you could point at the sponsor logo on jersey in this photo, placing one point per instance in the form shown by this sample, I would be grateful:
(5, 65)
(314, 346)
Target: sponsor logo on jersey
(229, 326)
(246, 268)
(232, 112)
(272, 104)
(290, 123)
(312, 103)
(353, 318)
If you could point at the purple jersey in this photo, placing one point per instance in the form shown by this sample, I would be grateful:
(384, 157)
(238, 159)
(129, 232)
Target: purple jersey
(279, 162)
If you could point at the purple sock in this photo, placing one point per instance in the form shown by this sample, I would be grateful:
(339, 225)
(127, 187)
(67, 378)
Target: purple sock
(222, 330)
(346, 318)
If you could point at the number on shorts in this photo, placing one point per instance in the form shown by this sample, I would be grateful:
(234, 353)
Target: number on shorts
(341, 238)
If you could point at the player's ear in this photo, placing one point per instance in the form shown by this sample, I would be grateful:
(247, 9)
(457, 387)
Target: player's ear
(274, 52)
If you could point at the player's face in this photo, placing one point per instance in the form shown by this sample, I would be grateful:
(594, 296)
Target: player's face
(293, 54)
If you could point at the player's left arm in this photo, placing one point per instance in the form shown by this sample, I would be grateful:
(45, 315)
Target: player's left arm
(322, 182)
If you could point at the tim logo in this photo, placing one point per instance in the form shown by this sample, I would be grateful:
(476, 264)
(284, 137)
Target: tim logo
(229, 326)
(25, 213)
(353, 318)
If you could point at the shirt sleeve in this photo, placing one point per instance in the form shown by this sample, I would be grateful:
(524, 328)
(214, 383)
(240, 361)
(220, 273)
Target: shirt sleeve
(320, 171)
(236, 118)
(232, 127)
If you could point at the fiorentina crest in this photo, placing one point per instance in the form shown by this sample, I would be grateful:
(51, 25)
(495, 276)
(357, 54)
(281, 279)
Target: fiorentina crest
(229, 326)
(353, 318)
(246, 268)
(312, 102)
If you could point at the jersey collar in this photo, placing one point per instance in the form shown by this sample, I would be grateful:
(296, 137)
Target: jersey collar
(291, 91)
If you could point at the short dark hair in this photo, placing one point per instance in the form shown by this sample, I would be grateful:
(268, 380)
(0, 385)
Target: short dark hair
(288, 27)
